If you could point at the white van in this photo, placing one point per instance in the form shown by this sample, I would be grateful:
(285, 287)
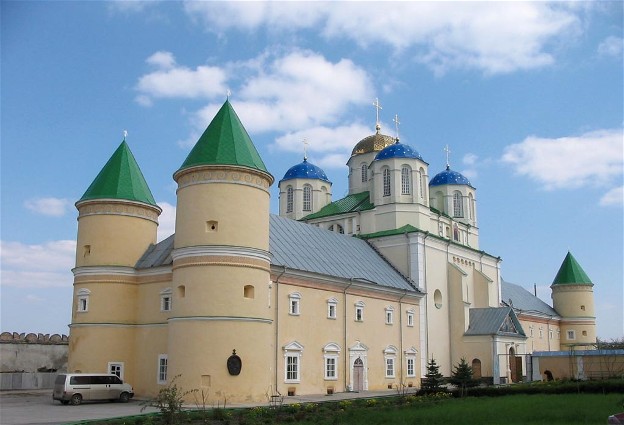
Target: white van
(75, 387)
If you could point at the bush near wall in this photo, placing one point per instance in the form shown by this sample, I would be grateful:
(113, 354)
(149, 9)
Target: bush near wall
(553, 387)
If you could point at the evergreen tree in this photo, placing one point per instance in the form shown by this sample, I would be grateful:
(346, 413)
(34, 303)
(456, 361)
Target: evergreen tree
(462, 376)
(433, 380)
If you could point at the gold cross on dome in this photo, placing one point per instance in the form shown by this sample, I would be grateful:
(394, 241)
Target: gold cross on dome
(378, 107)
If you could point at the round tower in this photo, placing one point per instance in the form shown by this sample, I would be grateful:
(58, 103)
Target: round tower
(573, 299)
(117, 222)
(305, 189)
(221, 267)
(362, 156)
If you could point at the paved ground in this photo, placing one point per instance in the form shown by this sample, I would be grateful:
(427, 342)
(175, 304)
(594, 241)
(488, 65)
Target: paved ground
(36, 407)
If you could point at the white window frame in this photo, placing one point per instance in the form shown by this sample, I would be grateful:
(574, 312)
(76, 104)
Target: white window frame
(292, 352)
(406, 188)
(331, 353)
(294, 304)
(389, 315)
(307, 197)
(458, 208)
(161, 370)
(359, 311)
(290, 195)
(390, 361)
(410, 317)
(82, 296)
(166, 299)
(114, 365)
(410, 358)
(332, 308)
(386, 182)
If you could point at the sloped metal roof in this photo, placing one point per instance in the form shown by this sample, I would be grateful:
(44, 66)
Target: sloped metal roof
(350, 203)
(571, 273)
(488, 321)
(304, 247)
(524, 301)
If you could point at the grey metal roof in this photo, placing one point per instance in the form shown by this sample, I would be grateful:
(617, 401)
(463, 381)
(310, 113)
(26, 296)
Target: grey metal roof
(523, 301)
(305, 247)
(488, 321)
(157, 255)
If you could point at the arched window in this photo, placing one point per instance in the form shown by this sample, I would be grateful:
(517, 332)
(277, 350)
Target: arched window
(421, 179)
(386, 182)
(476, 369)
(406, 188)
(458, 210)
(289, 199)
(364, 173)
(471, 206)
(307, 197)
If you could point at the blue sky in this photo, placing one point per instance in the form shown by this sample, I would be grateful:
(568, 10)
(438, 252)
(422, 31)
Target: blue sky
(528, 96)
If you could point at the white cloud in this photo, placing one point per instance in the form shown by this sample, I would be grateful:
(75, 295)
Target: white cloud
(38, 266)
(323, 139)
(54, 207)
(470, 161)
(611, 46)
(171, 80)
(594, 158)
(614, 197)
(166, 220)
(494, 37)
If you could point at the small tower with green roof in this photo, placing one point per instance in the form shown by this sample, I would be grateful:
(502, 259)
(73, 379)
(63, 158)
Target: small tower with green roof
(117, 222)
(573, 298)
(221, 264)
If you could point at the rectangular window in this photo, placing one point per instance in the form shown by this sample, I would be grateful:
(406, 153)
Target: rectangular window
(292, 368)
(165, 303)
(331, 311)
(410, 319)
(162, 369)
(389, 367)
(294, 306)
(330, 367)
(359, 314)
(411, 371)
(386, 182)
(571, 335)
(388, 317)
(83, 304)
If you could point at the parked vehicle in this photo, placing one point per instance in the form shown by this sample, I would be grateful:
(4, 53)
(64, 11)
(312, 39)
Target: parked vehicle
(75, 388)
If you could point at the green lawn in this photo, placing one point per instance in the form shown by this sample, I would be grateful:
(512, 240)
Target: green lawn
(517, 409)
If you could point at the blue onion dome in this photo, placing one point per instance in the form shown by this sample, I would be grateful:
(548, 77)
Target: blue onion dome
(398, 150)
(305, 170)
(449, 176)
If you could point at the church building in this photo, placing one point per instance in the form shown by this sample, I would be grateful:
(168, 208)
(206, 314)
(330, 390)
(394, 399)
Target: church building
(328, 296)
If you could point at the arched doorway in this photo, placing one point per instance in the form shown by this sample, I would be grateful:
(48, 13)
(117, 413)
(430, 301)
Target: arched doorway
(476, 369)
(515, 365)
(358, 375)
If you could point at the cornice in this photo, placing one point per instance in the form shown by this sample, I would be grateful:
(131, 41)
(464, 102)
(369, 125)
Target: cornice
(118, 207)
(203, 174)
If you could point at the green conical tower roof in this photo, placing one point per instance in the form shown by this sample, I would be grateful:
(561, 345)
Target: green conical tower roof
(571, 273)
(225, 142)
(121, 178)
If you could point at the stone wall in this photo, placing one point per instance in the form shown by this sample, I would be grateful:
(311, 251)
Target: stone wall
(31, 361)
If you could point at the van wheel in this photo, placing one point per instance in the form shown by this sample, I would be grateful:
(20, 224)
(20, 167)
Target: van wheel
(76, 399)
(124, 397)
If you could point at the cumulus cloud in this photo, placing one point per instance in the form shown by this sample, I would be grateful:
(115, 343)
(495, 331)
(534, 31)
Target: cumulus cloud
(491, 37)
(611, 46)
(591, 159)
(54, 207)
(170, 80)
(37, 266)
(470, 162)
(166, 220)
(614, 197)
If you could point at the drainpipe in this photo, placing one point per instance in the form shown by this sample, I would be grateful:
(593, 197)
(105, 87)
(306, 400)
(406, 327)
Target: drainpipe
(401, 334)
(344, 298)
(277, 320)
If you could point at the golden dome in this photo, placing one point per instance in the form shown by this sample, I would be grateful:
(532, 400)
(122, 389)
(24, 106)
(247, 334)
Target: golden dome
(373, 143)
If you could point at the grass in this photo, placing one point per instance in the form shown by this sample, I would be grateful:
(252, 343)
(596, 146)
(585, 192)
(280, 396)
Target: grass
(550, 409)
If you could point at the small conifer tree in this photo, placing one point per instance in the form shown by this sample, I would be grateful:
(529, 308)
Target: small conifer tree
(433, 380)
(462, 376)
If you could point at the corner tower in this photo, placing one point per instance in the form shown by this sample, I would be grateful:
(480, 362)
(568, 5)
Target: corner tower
(573, 299)
(117, 222)
(221, 265)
